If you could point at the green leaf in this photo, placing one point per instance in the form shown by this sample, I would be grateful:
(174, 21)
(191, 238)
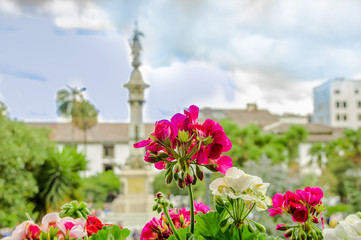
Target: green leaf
(112, 232)
(207, 224)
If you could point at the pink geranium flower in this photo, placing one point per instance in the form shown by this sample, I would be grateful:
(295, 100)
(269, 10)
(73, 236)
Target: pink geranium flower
(311, 195)
(26, 230)
(184, 142)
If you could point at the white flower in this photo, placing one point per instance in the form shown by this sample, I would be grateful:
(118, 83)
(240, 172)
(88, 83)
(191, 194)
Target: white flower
(349, 229)
(233, 184)
(237, 184)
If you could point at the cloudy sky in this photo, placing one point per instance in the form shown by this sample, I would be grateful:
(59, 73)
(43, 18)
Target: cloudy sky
(211, 53)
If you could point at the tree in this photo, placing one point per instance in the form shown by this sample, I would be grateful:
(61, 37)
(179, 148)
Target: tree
(343, 166)
(100, 188)
(58, 179)
(249, 143)
(84, 117)
(23, 149)
(67, 100)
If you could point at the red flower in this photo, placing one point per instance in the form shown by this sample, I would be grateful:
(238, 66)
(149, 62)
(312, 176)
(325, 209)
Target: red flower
(93, 225)
(300, 214)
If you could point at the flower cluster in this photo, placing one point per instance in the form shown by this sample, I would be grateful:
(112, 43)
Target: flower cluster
(176, 144)
(53, 226)
(161, 229)
(238, 193)
(237, 184)
(305, 207)
(350, 228)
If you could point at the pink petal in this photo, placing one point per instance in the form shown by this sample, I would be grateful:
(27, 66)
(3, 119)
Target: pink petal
(224, 162)
(277, 200)
(142, 143)
(160, 165)
(192, 113)
(201, 157)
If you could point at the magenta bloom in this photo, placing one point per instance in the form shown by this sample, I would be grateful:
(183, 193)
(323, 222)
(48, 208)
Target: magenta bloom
(155, 229)
(183, 141)
(311, 195)
(278, 204)
(200, 207)
(304, 205)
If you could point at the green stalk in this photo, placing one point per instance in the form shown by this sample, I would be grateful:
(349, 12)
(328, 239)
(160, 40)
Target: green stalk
(247, 213)
(191, 204)
(165, 210)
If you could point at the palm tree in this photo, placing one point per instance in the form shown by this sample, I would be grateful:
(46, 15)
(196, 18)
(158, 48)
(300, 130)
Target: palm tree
(66, 100)
(58, 179)
(85, 116)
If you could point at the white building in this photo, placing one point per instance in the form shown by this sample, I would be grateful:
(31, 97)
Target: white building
(106, 147)
(337, 103)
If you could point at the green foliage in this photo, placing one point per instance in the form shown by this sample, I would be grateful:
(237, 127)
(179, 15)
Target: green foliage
(74, 210)
(98, 187)
(58, 179)
(250, 143)
(342, 170)
(339, 208)
(50, 235)
(111, 232)
(23, 149)
(208, 226)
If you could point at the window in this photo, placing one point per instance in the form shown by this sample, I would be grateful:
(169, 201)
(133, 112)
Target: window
(345, 117)
(338, 117)
(359, 104)
(341, 104)
(108, 167)
(108, 151)
(356, 91)
(359, 117)
(337, 91)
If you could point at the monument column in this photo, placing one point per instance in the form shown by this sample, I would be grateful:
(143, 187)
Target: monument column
(136, 177)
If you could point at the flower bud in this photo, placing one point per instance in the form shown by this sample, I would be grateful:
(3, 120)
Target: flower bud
(188, 179)
(181, 183)
(160, 195)
(169, 178)
(223, 223)
(250, 228)
(288, 233)
(259, 227)
(282, 227)
(315, 220)
(219, 201)
(183, 136)
(199, 173)
(181, 219)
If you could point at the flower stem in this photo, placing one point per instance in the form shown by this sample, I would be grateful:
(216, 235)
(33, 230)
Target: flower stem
(191, 204)
(240, 232)
(174, 230)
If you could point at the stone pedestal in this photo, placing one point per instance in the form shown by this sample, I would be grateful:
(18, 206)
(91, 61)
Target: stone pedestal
(137, 195)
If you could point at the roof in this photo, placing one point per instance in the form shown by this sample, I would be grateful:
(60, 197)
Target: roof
(245, 117)
(102, 132)
(317, 132)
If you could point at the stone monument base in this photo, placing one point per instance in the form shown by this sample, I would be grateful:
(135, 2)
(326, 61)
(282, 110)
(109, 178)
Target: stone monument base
(137, 195)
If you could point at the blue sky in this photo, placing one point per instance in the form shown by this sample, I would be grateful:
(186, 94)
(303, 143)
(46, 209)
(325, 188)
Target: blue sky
(220, 54)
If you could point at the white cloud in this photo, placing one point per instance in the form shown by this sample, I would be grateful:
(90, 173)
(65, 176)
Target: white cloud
(8, 6)
(274, 92)
(71, 15)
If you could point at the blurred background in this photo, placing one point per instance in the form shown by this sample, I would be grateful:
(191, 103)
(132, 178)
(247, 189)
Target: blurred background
(282, 78)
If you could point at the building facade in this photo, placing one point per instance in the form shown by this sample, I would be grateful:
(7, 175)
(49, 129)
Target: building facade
(337, 103)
